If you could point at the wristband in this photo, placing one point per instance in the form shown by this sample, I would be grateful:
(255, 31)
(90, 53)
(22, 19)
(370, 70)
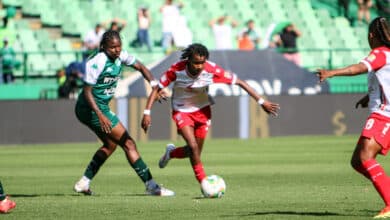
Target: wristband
(153, 83)
(260, 101)
(147, 112)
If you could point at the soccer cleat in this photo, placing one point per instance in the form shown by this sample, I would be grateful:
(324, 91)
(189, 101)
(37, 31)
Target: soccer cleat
(156, 190)
(82, 186)
(385, 213)
(6, 205)
(166, 157)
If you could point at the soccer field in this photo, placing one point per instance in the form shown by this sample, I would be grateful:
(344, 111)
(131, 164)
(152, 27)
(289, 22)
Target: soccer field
(274, 178)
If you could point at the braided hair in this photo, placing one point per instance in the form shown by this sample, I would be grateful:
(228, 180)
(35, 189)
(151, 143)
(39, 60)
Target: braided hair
(193, 49)
(107, 36)
(381, 29)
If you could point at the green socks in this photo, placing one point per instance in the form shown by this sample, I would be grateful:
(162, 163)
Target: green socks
(142, 170)
(97, 161)
(100, 157)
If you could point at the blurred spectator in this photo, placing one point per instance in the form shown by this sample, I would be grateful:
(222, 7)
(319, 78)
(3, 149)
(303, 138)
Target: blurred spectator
(182, 35)
(383, 7)
(287, 42)
(245, 42)
(8, 61)
(10, 12)
(344, 8)
(91, 40)
(144, 21)
(170, 15)
(364, 10)
(63, 89)
(252, 33)
(76, 69)
(223, 32)
(69, 79)
(115, 24)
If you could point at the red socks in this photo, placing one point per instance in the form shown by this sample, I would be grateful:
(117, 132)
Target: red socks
(199, 172)
(178, 153)
(379, 178)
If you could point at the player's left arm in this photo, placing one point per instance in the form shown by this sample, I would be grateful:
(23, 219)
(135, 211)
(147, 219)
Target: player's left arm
(140, 67)
(269, 107)
(149, 76)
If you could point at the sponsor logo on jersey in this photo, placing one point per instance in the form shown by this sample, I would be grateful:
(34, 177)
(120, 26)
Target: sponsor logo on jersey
(227, 75)
(110, 79)
(371, 57)
(109, 92)
(109, 70)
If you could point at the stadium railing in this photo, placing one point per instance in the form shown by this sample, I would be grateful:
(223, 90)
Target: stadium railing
(312, 59)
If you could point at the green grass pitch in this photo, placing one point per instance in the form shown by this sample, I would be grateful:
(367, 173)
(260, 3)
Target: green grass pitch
(274, 178)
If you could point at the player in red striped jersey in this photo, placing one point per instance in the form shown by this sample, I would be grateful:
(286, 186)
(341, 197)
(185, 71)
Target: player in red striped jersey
(375, 137)
(191, 77)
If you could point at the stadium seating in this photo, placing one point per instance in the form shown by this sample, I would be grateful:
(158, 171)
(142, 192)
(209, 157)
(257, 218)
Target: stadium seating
(318, 20)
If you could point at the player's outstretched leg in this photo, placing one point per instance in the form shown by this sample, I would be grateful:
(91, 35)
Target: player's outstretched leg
(6, 205)
(154, 189)
(167, 156)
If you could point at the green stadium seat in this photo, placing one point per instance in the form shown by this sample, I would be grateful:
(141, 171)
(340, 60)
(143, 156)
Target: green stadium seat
(16, 3)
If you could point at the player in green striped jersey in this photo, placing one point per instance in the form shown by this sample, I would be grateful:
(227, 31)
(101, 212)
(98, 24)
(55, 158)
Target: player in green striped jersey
(103, 71)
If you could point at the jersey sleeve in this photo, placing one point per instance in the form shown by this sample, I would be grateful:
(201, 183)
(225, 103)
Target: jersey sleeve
(93, 69)
(126, 58)
(168, 77)
(375, 60)
(222, 76)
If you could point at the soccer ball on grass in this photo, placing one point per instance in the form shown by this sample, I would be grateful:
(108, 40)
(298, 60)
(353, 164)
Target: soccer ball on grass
(213, 186)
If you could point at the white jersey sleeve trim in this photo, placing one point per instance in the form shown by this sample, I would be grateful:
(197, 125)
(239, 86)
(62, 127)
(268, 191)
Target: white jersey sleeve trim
(367, 64)
(126, 58)
(94, 68)
(234, 80)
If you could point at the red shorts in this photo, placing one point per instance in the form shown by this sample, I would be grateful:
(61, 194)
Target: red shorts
(199, 120)
(378, 126)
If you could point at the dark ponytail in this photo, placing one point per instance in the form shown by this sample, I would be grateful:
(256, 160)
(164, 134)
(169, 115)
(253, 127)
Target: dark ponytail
(381, 28)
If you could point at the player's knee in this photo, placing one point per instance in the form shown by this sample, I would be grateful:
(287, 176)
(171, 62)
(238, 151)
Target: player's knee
(108, 148)
(126, 142)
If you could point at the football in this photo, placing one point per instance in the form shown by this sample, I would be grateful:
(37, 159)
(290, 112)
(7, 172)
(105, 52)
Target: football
(213, 186)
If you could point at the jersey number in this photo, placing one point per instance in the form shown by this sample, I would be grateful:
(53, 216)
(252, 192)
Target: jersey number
(386, 128)
(369, 124)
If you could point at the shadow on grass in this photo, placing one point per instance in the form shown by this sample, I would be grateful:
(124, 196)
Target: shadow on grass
(325, 213)
(72, 194)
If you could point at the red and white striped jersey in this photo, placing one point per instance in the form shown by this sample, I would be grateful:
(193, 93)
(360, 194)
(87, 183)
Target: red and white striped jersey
(378, 64)
(189, 93)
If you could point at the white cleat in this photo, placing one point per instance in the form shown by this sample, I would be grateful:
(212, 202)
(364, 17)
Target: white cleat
(166, 157)
(82, 186)
(156, 190)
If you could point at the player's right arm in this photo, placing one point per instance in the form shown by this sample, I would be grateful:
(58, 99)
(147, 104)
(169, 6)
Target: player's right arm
(351, 70)
(105, 123)
(166, 79)
(94, 67)
(374, 61)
